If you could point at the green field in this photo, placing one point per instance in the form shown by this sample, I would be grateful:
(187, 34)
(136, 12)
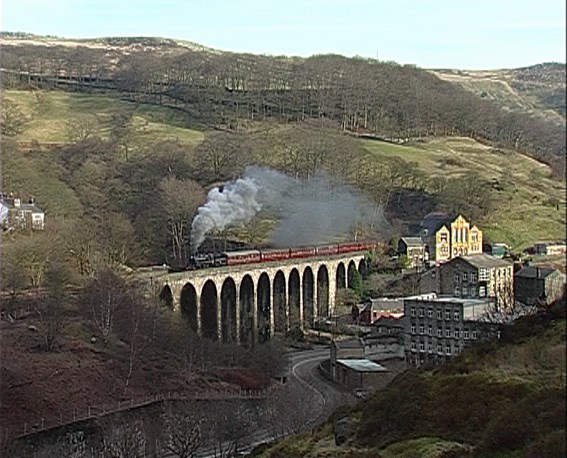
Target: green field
(527, 203)
(49, 113)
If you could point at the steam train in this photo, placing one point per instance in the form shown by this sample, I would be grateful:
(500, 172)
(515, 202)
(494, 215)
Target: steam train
(235, 258)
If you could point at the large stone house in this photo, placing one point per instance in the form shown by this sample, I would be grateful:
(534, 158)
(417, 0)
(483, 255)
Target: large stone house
(448, 237)
(16, 214)
(538, 285)
(414, 249)
(478, 276)
(438, 328)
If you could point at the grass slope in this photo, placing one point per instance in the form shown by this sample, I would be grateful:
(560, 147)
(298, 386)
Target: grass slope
(530, 205)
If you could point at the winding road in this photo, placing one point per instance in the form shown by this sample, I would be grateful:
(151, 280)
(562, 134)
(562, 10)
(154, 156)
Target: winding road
(328, 396)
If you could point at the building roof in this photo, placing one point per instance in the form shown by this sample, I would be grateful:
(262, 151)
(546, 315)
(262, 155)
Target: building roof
(31, 207)
(534, 272)
(484, 261)
(433, 221)
(413, 241)
(351, 343)
(453, 300)
(362, 365)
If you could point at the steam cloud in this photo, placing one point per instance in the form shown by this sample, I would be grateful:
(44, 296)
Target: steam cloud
(309, 211)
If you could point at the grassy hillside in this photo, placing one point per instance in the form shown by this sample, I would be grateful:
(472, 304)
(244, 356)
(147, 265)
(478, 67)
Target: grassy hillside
(539, 90)
(526, 203)
(501, 399)
(48, 115)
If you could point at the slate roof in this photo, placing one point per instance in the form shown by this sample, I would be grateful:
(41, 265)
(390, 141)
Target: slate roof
(413, 241)
(484, 261)
(362, 365)
(534, 272)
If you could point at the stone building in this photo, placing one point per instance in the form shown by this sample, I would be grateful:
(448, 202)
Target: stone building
(438, 328)
(414, 249)
(16, 214)
(448, 237)
(538, 285)
(478, 276)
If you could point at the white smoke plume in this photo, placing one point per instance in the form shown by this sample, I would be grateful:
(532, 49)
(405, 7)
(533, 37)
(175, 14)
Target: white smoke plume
(309, 211)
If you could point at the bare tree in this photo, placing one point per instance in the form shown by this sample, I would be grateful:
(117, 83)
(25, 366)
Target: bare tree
(80, 128)
(181, 198)
(182, 431)
(13, 118)
(103, 296)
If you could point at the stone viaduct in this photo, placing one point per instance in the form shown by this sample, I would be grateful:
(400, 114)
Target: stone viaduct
(248, 304)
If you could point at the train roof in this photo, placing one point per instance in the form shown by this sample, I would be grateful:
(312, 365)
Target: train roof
(241, 253)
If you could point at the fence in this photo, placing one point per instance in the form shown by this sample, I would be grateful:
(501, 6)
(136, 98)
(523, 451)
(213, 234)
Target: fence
(91, 412)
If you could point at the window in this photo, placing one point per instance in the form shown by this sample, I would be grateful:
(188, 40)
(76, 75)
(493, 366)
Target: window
(465, 291)
(413, 328)
(444, 237)
(421, 346)
(457, 291)
(439, 349)
(413, 347)
(456, 277)
(456, 316)
(429, 313)
(483, 274)
(466, 333)
(465, 276)
(421, 313)
(421, 329)
(430, 330)
(448, 351)
(474, 335)
(447, 333)
(473, 277)
(413, 311)
(430, 348)
(439, 332)
(447, 314)
(482, 291)
(456, 334)
(439, 315)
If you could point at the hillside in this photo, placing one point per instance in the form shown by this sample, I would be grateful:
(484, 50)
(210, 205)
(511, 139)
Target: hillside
(227, 90)
(523, 201)
(514, 187)
(538, 90)
(501, 399)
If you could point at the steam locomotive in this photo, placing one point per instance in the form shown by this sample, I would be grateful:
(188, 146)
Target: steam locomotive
(234, 258)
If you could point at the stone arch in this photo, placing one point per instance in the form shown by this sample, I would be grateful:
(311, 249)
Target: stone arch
(363, 268)
(322, 292)
(188, 305)
(294, 299)
(352, 271)
(264, 305)
(280, 303)
(166, 297)
(340, 277)
(209, 304)
(308, 285)
(246, 295)
(228, 311)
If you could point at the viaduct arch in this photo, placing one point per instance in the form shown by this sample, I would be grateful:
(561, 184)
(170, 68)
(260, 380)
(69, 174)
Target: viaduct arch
(248, 304)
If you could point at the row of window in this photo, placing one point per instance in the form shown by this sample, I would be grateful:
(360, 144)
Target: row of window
(430, 348)
(456, 333)
(464, 276)
(421, 314)
(465, 291)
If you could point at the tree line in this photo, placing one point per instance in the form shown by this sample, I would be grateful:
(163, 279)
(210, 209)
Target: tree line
(227, 90)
